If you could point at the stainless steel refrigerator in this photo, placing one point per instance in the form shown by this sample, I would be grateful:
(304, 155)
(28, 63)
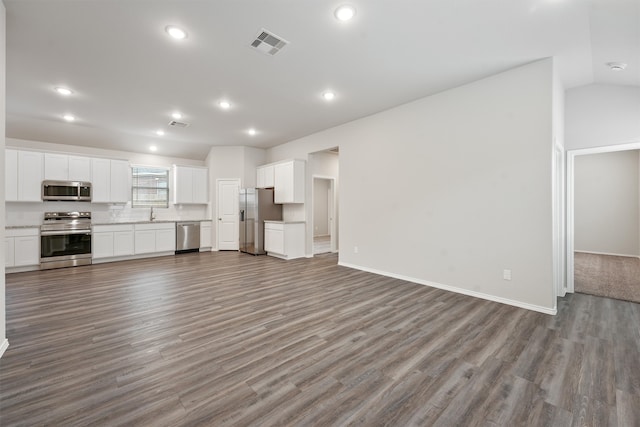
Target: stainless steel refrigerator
(256, 206)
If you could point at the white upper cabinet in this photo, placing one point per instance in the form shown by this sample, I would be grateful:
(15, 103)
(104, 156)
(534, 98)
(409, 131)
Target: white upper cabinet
(265, 177)
(190, 185)
(56, 166)
(100, 180)
(289, 182)
(11, 175)
(120, 181)
(30, 165)
(62, 167)
(79, 168)
(25, 171)
(110, 181)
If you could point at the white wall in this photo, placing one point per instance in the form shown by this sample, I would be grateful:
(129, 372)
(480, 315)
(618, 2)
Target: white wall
(3, 330)
(235, 163)
(321, 207)
(607, 203)
(452, 189)
(602, 115)
(18, 213)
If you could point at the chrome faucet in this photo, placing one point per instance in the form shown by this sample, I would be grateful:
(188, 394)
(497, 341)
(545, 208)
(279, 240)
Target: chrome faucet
(151, 215)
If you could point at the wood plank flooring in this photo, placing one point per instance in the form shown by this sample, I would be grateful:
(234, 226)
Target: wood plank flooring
(228, 339)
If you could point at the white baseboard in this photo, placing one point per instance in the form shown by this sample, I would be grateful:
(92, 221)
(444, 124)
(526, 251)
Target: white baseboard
(606, 253)
(520, 304)
(3, 346)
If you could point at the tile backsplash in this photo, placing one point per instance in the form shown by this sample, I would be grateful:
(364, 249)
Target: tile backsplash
(25, 213)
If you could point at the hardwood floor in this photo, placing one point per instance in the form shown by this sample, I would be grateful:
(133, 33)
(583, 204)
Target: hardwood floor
(231, 339)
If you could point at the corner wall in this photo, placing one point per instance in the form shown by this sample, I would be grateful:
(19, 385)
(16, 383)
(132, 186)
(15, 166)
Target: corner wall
(4, 343)
(452, 189)
(230, 162)
(602, 115)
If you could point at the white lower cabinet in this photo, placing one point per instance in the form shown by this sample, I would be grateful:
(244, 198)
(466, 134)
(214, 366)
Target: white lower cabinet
(123, 243)
(284, 239)
(112, 241)
(22, 247)
(206, 241)
(128, 240)
(155, 237)
(9, 252)
(166, 239)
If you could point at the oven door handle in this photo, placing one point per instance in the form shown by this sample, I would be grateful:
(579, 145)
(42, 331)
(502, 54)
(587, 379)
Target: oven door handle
(63, 233)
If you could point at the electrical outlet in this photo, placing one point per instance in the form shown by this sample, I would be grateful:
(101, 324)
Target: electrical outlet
(506, 274)
(355, 249)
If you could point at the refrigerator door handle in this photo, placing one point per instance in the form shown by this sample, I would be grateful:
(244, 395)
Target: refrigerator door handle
(241, 214)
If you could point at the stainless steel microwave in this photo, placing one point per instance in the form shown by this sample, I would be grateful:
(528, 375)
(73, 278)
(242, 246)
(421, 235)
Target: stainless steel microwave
(66, 191)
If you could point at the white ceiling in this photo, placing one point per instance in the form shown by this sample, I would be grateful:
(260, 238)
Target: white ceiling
(129, 76)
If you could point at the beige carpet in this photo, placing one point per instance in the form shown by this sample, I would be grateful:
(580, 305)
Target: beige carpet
(608, 276)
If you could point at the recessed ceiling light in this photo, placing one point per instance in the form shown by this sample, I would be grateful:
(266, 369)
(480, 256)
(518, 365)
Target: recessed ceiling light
(160, 132)
(225, 105)
(63, 91)
(328, 96)
(175, 32)
(252, 132)
(69, 117)
(176, 115)
(153, 148)
(345, 12)
(617, 66)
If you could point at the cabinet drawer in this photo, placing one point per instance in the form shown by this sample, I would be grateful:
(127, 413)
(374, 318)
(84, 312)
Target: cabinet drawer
(21, 232)
(273, 226)
(112, 228)
(156, 226)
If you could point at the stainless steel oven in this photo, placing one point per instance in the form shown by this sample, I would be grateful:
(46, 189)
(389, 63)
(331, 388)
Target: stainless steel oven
(65, 239)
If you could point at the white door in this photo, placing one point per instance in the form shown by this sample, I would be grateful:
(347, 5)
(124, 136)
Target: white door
(228, 221)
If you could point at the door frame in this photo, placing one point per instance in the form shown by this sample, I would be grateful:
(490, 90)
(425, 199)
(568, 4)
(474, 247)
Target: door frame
(217, 217)
(571, 156)
(332, 214)
(558, 222)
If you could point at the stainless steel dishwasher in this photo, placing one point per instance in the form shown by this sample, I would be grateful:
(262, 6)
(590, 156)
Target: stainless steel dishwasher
(187, 236)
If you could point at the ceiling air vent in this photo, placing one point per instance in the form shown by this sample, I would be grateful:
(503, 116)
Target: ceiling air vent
(268, 42)
(177, 124)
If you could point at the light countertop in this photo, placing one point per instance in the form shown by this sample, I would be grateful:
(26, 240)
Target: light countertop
(155, 221)
(283, 222)
(159, 221)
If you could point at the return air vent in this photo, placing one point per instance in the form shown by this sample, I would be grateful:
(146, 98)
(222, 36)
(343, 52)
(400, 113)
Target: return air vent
(177, 124)
(268, 42)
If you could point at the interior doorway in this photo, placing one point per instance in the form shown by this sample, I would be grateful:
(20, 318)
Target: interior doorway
(603, 221)
(323, 215)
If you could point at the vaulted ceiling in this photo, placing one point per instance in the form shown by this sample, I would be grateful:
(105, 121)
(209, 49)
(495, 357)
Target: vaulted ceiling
(128, 75)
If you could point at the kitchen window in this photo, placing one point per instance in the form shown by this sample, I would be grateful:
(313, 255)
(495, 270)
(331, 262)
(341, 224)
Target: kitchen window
(150, 187)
